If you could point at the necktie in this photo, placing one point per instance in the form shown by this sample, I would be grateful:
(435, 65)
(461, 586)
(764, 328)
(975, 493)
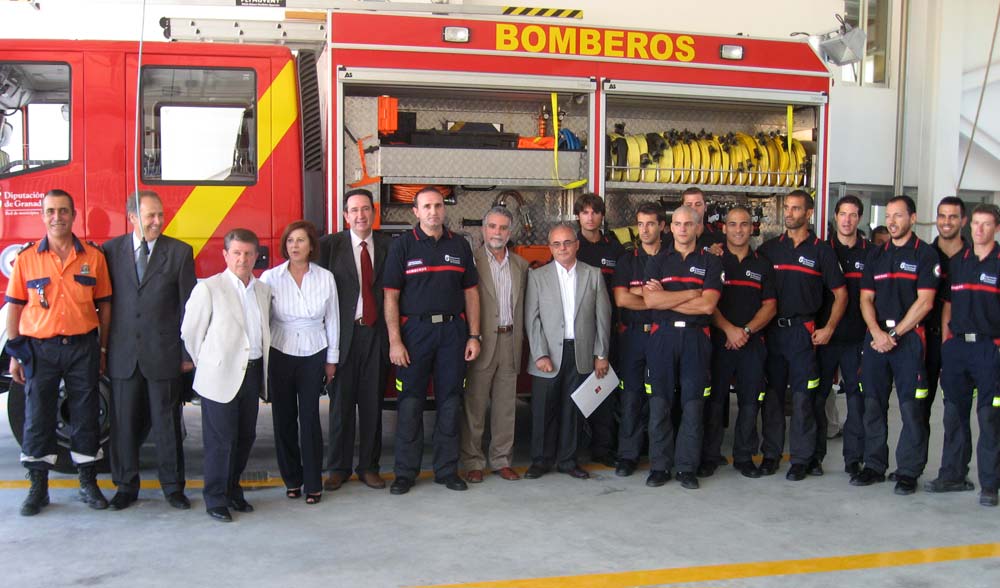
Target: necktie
(368, 310)
(143, 260)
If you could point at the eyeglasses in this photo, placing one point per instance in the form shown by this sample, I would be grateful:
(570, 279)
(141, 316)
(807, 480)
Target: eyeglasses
(561, 244)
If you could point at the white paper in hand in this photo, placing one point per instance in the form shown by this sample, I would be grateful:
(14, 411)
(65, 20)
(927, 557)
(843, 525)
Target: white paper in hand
(594, 390)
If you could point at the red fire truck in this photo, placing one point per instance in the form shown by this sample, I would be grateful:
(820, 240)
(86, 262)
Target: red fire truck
(257, 136)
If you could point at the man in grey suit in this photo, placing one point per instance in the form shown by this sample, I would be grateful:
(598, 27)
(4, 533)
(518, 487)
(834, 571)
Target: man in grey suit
(492, 377)
(364, 342)
(152, 276)
(567, 315)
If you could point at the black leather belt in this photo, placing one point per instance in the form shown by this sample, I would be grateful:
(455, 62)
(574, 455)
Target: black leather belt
(255, 362)
(361, 322)
(67, 339)
(975, 337)
(644, 327)
(682, 324)
(506, 329)
(791, 321)
(433, 318)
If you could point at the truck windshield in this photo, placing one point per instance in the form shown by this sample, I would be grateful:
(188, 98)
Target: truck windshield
(34, 116)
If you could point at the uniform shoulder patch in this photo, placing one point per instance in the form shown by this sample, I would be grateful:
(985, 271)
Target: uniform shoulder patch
(25, 247)
(95, 246)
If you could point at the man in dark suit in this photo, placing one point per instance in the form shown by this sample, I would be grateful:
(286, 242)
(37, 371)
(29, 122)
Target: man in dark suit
(152, 276)
(356, 257)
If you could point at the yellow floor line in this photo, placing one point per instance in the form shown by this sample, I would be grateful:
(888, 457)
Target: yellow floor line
(715, 573)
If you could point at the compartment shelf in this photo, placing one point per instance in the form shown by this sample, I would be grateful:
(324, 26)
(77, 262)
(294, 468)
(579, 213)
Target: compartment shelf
(490, 167)
(706, 188)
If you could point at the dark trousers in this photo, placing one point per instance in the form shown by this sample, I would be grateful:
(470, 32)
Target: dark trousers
(905, 365)
(360, 382)
(932, 366)
(968, 366)
(791, 360)
(74, 360)
(846, 356)
(228, 432)
(295, 386)
(555, 419)
(437, 348)
(603, 422)
(746, 365)
(634, 400)
(133, 400)
(677, 357)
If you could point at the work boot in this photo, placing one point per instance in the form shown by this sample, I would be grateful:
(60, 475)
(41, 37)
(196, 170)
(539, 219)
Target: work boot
(38, 494)
(89, 492)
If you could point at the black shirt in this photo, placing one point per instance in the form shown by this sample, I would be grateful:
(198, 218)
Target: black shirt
(629, 273)
(974, 293)
(603, 255)
(801, 273)
(706, 239)
(933, 320)
(747, 284)
(698, 271)
(851, 328)
(895, 274)
(431, 274)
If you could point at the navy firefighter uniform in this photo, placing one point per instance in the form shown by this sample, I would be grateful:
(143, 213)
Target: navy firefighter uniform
(970, 360)
(844, 352)
(895, 275)
(604, 255)
(633, 345)
(802, 273)
(932, 324)
(748, 284)
(432, 276)
(680, 351)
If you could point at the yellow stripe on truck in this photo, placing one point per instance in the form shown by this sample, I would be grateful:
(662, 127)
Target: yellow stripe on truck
(206, 207)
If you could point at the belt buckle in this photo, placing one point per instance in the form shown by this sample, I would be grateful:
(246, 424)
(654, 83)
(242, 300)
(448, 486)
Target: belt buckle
(437, 318)
(784, 322)
(647, 327)
(890, 323)
(680, 324)
(969, 337)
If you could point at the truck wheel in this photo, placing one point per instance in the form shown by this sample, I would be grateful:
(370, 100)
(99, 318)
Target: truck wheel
(64, 464)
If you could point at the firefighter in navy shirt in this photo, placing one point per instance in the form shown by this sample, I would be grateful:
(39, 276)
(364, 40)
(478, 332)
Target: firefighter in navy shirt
(747, 305)
(633, 334)
(971, 362)
(683, 286)
(844, 348)
(708, 239)
(601, 250)
(897, 291)
(432, 315)
(804, 268)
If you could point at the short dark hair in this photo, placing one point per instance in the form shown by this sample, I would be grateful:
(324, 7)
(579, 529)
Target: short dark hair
(56, 192)
(132, 201)
(425, 190)
(359, 192)
(742, 209)
(650, 207)
(850, 199)
(589, 200)
(985, 208)
(693, 190)
(241, 235)
(953, 201)
(311, 233)
(911, 206)
(810, 203)
(880, 230)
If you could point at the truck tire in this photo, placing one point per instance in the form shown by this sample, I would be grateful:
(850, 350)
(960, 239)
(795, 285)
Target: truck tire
(64, 464)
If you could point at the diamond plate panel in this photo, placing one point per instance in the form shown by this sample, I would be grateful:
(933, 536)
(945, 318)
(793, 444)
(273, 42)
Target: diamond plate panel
(483, 166)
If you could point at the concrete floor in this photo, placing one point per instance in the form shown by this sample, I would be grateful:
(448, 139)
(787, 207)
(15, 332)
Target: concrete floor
(509, 533)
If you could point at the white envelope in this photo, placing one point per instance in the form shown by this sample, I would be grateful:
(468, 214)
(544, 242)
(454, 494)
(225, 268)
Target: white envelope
(594, 390)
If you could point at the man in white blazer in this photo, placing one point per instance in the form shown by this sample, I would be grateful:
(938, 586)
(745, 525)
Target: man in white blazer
(226, 333)
(567, 316)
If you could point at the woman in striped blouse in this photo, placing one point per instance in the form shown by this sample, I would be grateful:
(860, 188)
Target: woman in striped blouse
(305, 335)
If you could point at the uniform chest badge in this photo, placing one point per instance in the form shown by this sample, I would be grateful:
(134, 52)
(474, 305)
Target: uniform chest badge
(753, 276)
(414, 262)
(698, 271)
(608, 262)
(988, 279)
(453, 259)
(806, 261)
(85, 269)
(908, 267)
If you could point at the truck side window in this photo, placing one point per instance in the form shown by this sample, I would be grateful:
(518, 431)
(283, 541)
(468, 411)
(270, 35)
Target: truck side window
(199, 125)
(34, 116)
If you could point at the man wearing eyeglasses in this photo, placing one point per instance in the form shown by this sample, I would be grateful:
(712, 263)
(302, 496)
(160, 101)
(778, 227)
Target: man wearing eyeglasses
(58, 296)
(567, 316)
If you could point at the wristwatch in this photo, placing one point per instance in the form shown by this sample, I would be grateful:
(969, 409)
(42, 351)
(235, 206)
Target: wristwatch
(476, 337)
(893, 335)
(747, 330)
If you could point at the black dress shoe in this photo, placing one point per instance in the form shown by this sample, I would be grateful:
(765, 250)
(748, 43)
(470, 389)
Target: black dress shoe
(575, 472)
(706, 469)
(178, 500)
(401, 485)
(815, 468)
(221, 514)
(122, 500)
(853, 468)
(626, 467)
(452, 482)
(905, 485)
(607, 460)
(657, 478)
(893, 476)
(768, 467)
(688, 480)
(867, 477)
(747, 468)
(240, 505)
(942, 485)
(796, 473)
(536, 471)
(988, 498)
